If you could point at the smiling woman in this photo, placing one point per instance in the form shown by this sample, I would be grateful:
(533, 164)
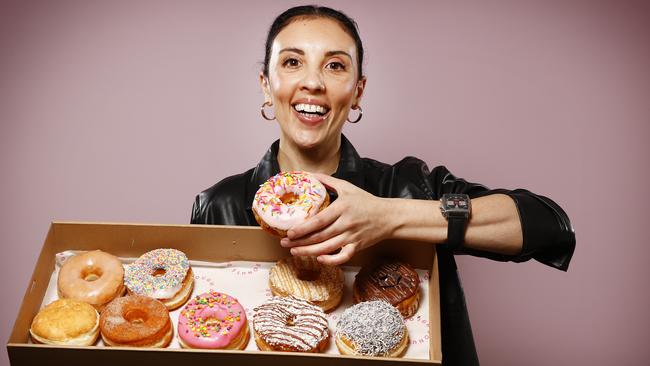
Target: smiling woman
(312, 79)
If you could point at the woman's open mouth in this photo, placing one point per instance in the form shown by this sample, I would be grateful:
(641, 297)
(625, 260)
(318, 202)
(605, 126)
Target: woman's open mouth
(311, 114)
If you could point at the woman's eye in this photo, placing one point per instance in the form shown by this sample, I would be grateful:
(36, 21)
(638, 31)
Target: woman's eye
(291, 62)
(335, 66)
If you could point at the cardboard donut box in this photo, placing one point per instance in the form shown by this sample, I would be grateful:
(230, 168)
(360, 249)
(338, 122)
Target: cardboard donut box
(203, 243)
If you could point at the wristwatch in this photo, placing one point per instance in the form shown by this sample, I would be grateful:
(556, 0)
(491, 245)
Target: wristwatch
(456, 208)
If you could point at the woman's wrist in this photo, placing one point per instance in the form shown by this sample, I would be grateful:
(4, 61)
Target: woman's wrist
(410, 219)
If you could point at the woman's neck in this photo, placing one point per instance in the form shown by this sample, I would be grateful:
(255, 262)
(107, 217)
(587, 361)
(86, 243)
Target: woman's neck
(323, 160)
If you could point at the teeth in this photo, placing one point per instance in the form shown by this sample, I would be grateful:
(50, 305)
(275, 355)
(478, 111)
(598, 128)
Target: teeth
(310, 108)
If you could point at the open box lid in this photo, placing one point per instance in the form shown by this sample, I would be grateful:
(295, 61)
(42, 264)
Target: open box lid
(199, 242)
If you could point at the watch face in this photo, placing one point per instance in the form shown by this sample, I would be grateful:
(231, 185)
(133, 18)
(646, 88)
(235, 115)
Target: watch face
(456, 202)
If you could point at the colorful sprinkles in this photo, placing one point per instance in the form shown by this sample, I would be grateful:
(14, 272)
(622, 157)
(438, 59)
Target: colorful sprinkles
(139, 276)
(303, 189)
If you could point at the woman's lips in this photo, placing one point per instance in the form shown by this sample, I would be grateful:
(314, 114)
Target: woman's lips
(310, 119)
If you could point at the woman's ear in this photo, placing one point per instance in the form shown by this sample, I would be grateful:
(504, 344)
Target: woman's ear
(264, 84)
(361, 86)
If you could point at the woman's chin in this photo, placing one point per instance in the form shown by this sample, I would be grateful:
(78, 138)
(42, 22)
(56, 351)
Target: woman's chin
(309, 140)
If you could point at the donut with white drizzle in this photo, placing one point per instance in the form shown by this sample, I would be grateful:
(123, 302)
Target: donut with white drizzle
(287, 199)
(372, 328)
(290, 324)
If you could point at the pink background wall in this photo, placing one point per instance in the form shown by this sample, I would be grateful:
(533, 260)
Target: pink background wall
(124, 110)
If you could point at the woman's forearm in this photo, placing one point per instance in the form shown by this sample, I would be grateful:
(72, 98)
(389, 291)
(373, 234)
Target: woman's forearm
(493, 226)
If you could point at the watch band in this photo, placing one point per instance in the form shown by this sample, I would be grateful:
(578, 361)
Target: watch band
(456, 231)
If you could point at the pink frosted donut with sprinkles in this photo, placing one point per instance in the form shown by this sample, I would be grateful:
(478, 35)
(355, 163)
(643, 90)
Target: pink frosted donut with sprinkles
(213, 320)
(163, 274)
(287, 199)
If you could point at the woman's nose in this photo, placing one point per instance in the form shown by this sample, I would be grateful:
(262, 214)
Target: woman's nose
(313, 80)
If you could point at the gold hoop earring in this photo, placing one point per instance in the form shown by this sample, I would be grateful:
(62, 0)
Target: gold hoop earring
(356, 107)
(264, 114)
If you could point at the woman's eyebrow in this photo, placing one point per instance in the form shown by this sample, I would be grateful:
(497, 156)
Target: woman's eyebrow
(327, 54)
(293, 49)
(333, 53)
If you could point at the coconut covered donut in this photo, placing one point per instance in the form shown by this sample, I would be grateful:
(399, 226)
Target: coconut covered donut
(163, 274)
(287, 199)
(372, 328)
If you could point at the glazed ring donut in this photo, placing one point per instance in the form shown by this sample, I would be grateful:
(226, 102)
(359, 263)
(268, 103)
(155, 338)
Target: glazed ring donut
(372, 328)
(94, 277)
(66, 322)
(306, 278)
(287, 199)
(136, 321)
(163, 274)
(393, 282)
(290, 324)
(213, 320)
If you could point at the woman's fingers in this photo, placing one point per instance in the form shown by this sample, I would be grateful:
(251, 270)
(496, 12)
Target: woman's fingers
(319, 236)
(326, 247)
(341, 257)
(317, 222)
(331, 182)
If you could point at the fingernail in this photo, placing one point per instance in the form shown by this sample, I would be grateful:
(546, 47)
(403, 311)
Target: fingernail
(284, 242)
(292, 251)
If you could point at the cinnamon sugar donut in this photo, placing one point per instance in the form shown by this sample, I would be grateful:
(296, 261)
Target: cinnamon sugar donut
(290, 324)
(136, 321)
(372, 328)
(94, 277)
(66, 322)
(306, 278)
(164, 274)
(287, 199)
(393, 282)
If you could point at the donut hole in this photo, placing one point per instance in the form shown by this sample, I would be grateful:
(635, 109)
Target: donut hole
(135, 316)
(91, 274)
(289, 198)
(306, 274)
(158, 272)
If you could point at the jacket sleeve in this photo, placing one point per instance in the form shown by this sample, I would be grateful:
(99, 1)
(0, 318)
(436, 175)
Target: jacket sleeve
(548, 236)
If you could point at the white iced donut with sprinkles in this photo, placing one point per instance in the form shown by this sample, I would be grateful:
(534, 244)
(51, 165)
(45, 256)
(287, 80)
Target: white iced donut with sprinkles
(162, 274)
(287, 199)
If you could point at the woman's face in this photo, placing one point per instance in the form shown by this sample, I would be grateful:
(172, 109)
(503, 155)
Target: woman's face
(313, 82)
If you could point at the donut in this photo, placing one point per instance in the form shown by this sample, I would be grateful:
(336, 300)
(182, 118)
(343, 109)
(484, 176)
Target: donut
(164, 274)
(287, 199)
(306, 278)
(66, 322)
(213, 320)
(290, 324)
(393, 282)
(372, 328)
(136, 321)
(94, 277)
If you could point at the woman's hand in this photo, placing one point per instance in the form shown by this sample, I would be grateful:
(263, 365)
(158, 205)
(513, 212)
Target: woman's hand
(354, 221)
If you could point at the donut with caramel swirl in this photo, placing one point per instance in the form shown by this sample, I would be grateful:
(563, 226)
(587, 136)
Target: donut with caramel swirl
(394, 282)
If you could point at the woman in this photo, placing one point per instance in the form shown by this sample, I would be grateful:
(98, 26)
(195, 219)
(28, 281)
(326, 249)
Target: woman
(312, 79)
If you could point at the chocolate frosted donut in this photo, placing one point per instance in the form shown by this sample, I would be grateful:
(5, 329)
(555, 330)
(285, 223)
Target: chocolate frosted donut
(290, 324)
(394, 282)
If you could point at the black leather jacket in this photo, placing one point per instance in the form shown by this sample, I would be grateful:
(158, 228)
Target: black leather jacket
(547, 232)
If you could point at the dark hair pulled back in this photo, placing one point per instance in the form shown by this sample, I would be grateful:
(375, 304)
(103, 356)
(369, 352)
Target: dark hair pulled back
(312, 11)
